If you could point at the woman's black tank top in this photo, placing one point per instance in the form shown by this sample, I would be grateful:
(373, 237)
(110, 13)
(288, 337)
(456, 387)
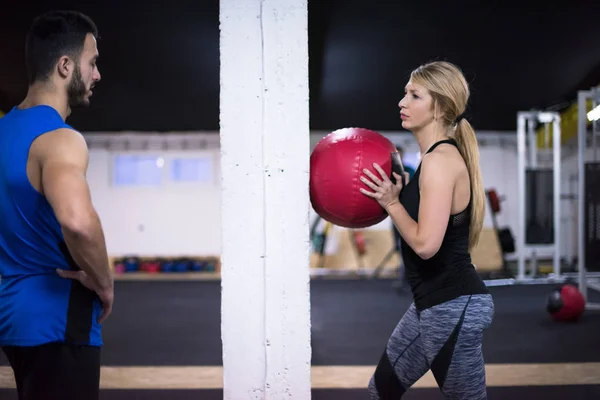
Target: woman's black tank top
(449, 273)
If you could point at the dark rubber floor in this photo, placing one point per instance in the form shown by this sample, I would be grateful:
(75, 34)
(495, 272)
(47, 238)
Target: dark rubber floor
(352, 321)
(512, 393)
(178, 323)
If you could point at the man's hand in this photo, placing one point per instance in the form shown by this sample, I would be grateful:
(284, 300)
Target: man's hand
(107, 296)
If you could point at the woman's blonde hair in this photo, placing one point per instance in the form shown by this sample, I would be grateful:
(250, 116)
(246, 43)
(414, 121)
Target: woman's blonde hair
(450, 91)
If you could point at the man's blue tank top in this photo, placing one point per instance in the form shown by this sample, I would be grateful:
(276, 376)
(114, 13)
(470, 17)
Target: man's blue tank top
(37, 306)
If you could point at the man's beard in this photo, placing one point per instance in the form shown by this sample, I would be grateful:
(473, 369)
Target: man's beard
(77, 90)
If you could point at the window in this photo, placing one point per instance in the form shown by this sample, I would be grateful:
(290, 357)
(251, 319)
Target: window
(137, 170)
(197, 169)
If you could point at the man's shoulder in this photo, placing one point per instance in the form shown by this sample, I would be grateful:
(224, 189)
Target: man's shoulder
(60, 141)
(63, 134)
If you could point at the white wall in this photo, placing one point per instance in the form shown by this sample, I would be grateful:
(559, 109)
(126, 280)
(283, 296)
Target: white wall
(169, 220)
(179, 219)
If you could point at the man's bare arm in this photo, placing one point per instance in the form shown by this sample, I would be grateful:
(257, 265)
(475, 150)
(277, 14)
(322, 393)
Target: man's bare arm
(64, 161)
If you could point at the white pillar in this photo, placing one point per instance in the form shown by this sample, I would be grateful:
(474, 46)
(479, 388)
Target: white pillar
(265, 149)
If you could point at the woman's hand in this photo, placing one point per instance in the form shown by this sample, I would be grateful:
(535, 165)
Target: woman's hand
(384, 191)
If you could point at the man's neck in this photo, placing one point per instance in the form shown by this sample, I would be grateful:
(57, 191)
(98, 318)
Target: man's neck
(46, 94)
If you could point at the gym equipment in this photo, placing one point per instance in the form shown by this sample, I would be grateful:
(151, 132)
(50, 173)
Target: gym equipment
(153, 267)
(197, 266)
(209, 266)
(359, 242)
(538, 229)
(383, 262)
(150, 266)
(592, 217)
(181, 265)
(566, 303)
(319, 240)
(119, 268)
(589, 199)
(131, 264)
(494, 200)
(168, 266)
(505, 236)
(336, 164)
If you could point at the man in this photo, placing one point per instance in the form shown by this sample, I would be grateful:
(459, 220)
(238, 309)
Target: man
(56, 286)
(401, 284)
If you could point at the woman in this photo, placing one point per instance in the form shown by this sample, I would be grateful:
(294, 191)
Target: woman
(439, 215)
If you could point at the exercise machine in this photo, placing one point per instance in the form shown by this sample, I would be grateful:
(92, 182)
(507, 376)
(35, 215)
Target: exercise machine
(588, 250)
(587, 196)
(506, 240)
(537, 232)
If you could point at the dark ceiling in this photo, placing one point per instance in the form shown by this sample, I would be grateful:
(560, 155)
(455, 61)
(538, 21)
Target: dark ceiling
(160, 65)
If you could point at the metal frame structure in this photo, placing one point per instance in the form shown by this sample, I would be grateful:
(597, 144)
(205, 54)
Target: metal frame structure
(583, 276)
(526, 133)
(528, 157)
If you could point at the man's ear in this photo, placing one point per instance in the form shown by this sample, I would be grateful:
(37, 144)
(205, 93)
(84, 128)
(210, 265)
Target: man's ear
(65, 66)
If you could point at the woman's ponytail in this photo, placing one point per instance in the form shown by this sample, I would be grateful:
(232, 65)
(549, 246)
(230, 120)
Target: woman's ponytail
(469, 148)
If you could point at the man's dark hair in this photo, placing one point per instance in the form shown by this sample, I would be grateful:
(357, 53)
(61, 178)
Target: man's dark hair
(53, 35)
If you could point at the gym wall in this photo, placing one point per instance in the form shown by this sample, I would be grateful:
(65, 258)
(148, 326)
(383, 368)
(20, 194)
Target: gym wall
(144, 217)
(174, 218)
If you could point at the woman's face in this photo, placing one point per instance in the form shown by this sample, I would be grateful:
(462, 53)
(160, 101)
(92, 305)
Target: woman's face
(416, 107)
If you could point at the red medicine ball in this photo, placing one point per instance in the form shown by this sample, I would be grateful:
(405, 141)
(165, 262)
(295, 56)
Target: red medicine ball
(566, 304)
(336, 165)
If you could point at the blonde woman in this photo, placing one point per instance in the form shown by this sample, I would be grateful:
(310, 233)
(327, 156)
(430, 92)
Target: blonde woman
(439, 216)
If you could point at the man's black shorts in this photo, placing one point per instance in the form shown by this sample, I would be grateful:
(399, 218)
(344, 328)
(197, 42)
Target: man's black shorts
(55, 371)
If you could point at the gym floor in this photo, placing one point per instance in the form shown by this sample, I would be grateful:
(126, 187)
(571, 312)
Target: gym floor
(163, 341)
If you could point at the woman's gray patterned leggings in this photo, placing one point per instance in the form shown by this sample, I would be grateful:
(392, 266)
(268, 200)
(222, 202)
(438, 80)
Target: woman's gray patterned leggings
(445, 338)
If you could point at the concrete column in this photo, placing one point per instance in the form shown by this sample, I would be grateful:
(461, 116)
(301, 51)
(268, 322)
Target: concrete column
(265, 149)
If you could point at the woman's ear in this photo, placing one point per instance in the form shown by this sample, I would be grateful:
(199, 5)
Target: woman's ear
(436, 110)
(438, 113)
